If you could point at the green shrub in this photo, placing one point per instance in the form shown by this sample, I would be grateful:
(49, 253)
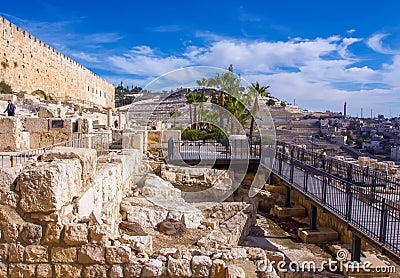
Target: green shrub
(42, 94)
(5, 88)
(193, 134)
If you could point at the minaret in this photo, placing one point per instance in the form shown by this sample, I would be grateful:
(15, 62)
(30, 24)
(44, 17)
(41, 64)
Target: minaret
(345, 109)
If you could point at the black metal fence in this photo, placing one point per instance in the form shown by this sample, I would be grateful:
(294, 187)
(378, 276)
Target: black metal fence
(368, 199)
(213, 150)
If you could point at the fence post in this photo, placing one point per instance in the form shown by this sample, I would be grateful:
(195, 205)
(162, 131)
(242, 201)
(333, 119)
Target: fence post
(324, 189)
(349, 201)
(384, 219)
(356, 248)
(306, 182)
(291, 165)
(287, 200)
(313, 218)
(170, 148)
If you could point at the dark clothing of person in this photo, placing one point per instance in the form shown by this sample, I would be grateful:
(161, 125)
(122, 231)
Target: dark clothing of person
(10, 109)
(115, 124)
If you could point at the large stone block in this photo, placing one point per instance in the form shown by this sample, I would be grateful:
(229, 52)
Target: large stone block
(36, 125)
(152, 268)
(8, 176)
(21, 270)
(10, 125)
(30, 234)
(133, 140)
(201, 266)
(87, 158)
(91, 254)
(36, 254)
(63, 254)
(10, 224)
(94, 271)
(75, 234)
(177, 268)
(118, 254)
(47, 186)
(53, 233)
(139, 243)
(67, 271)
(16, 253)
(44, 271)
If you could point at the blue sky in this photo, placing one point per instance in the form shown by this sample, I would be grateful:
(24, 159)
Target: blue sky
(320, 53)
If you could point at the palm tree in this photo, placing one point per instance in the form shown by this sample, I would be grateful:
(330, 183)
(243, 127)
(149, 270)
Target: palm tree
(193, 98)
(203, 83)
(175, 114)
(259, 91)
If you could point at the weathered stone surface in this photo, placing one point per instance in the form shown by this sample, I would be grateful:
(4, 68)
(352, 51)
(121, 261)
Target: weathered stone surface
(53, 233)
(30, 234)
(201, 266)
(139, 243)
(218, 269)
(67, 271)
(235, 254)
(91, 254)
(36, 254)
(133, 269)
(152, 268)
(8, 198)
(117, 271)
(142, 211)
(3, 270)
(21, 270)
(234, 271)
(8, 176)
(87, 158)
(44, 271)
(95, 271)
(100, 234)
(178, 268)
(46, 217)
(75, 234)
(36, 125)
(63, 254)
(118, 254)
(3, 252)
(168, 251)
(47, 186)
(16, 253)
(10, 223)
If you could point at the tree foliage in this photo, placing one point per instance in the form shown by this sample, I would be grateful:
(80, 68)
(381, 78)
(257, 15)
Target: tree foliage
(5, 88)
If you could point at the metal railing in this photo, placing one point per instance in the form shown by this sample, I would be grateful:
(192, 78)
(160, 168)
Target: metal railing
(213, 150)
(99, 142)
(365, 198)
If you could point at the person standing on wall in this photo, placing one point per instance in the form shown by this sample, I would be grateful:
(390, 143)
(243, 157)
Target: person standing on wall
(10, 108)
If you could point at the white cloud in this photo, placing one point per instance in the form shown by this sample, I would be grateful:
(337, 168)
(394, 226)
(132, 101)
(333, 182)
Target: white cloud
(375, 42)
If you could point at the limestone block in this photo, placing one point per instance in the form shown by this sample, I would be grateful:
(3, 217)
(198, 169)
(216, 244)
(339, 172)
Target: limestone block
(91, 254)
(118, 254)
(63, 254)
(95, 271)
(10, 223)
(152, 268)
(133, 140)
(36, 254)
(234, 271)
(9, 198)
(8, 176)
(48, 112)
(166, 135)
(100, 234)
(36, 125)
(3, 270)
(130, 161)
(218, 269)
(53, 233)
(30, 234)
(85, 125)
(10, 125)
(87, 159)
(47, 186)
(86, 204)
(3, 252)
(143, 212)
(167, 251)
(133, 269)
(44, 271)
(67, 271)
(154, 186)
(10, 142)
(75, 234)
(117, 271)
(178, 268)
(16, 253)
(21, 270)
(139, 243)
(201, 266)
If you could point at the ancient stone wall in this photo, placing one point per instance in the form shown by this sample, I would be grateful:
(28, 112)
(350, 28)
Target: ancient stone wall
(28, 64)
